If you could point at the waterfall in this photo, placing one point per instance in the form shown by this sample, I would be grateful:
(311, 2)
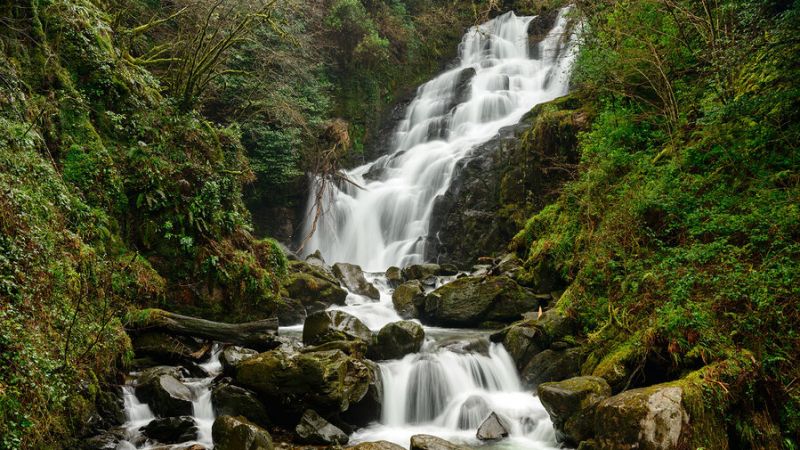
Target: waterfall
(498, 79)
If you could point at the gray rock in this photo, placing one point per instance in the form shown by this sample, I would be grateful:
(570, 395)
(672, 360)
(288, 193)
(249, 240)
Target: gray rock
(551, 365)
(327, 326)
(396, 340)
(427, 442)
(166, 396)
(233, 355)
(237, 433)
(352, 277)
(230, 400)
(171, 430)
(470, 301)
(493, 428)
(313, 429)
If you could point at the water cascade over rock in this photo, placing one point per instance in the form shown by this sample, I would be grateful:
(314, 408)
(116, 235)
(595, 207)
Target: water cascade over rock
(497, 80)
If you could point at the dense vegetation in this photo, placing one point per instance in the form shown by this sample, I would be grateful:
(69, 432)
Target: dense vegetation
(680, 238)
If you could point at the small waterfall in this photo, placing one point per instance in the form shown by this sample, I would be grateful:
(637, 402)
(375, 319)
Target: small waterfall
(498, 80)
(450, 394)
(137, 413)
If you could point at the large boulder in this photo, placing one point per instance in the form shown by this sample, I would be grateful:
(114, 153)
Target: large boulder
(352, 277)
(571, 405)
(327, 326)
(668, 416)
(471, 301)
(233, 355)
(493, 428)
(230, 400)
(161, 390)
(171, 430)
(408, 298)
(394, 276)
(397, 339)
(314, 429)
(313, 285)
(427, 442)
(328, 381)
(237, 433)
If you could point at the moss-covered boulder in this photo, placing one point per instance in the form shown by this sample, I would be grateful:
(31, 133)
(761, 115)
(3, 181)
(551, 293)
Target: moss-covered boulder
(328, 326)
(408, 298)
(571, 404)
(312, 285)
(328, 381)
(237, 433)
(352, 277)
(394, 276)
(396, 340)
(233, 355)
(553, 365)
(470, 301)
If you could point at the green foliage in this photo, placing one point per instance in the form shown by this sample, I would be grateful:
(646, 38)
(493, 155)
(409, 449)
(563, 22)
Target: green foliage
(682, 230)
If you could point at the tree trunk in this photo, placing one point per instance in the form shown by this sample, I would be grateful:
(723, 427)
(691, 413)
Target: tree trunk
(258, 335)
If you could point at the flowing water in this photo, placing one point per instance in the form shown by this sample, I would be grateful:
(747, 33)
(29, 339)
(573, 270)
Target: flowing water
(496, 82)
(458, 378)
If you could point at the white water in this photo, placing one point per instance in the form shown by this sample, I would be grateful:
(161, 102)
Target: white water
(495, 84)
(139, 414)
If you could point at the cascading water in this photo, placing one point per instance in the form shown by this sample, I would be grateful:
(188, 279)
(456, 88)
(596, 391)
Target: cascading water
(497, 81)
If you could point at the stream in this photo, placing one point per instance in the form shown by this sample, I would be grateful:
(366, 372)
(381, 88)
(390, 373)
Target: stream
(459, 377)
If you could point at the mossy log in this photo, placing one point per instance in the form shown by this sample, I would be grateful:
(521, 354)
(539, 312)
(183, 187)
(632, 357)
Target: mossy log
(259, 335)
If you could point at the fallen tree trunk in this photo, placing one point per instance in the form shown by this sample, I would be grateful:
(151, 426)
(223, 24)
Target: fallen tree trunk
(258, 335)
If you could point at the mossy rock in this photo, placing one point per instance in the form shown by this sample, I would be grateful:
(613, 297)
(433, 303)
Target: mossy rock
(396, 340)
(469, 301)
(230, 400)
(311, 284)
(328, 381)
(420, 271)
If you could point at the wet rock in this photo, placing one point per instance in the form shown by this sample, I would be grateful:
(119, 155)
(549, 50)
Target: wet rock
(352, 277)
(368, 409)
(551, 365)
(527, 338)
(328, 381)
(171, 430)
(420, 271)
(161, 390)
(233, 355)
(572, 405)
(237, 433)
(427, 442)
(110, 408)
(291, 312)
(407, 298)
(469, 301)
(379, 445)
(311, 284)
(394, 276)
(493, 428)
(230, 400)
(447, 270)
(105, 441)
(396, 340)
(327, 326)
(313, 429)
(316, 259)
